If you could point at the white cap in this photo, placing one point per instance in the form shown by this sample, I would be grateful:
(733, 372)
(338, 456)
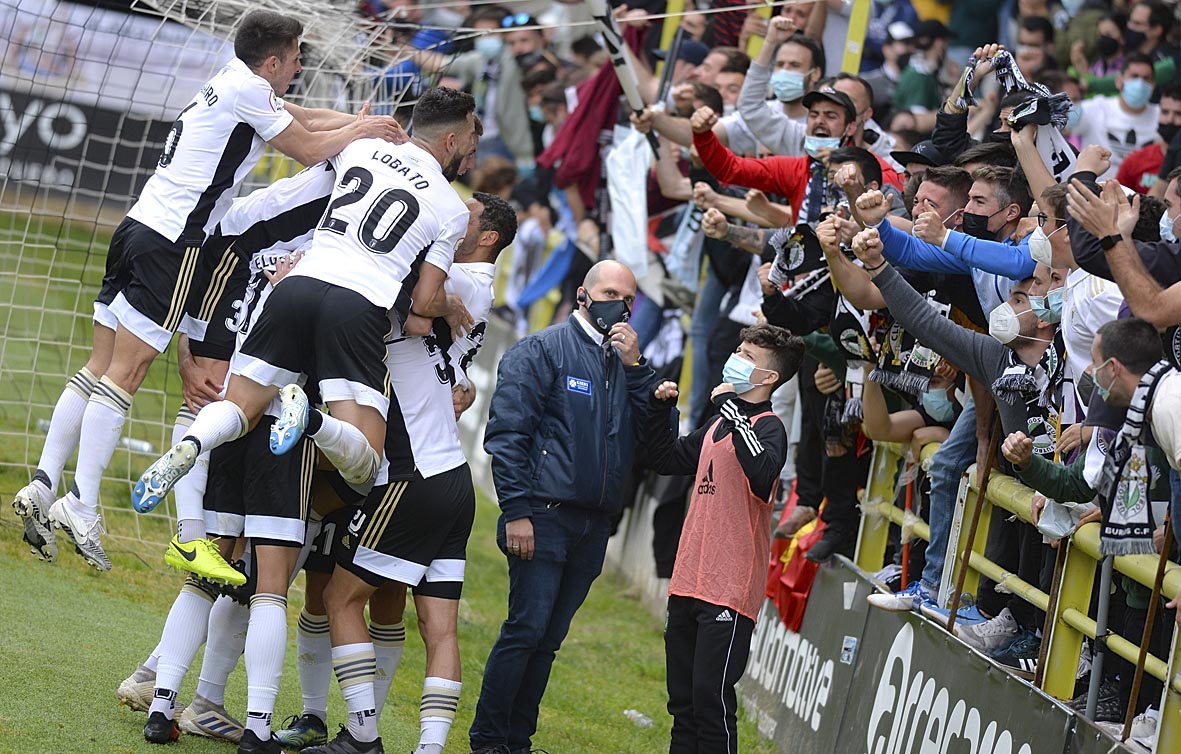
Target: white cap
(899, 31)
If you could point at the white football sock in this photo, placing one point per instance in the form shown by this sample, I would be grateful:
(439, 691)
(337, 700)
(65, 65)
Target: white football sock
(102, 424)
(217, 424)
(227, 638)
(436, 712)
(184, 633)
(354, 665)
(189, 491)
(153, 659)
(388, 642)
(348, 450)
(266, 644)
(313, 649)
(65, 426)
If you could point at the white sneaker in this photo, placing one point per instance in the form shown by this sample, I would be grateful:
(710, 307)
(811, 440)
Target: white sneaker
(908, 599)
(204, 718)
(84, 534)
(32, 504)
(990, 635)
(136, 691)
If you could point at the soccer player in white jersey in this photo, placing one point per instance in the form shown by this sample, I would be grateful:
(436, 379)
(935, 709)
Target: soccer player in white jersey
(214, 143)
(412, 530)
(385, 243)
(264, 228)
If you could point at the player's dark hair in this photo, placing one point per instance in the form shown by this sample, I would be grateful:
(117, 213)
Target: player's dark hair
(1132, 342)
(787, 350)
(1132, 58)
(264, 33)
(586, 46)
(871, 169)
(1009, 184)
(498, 216)
(737, 61)
(1039, 24)
(442, 110)
(709, 96)
(989, 153)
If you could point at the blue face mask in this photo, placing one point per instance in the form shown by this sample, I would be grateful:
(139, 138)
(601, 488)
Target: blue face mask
(787, 86)
(1136, 93)
(1166, 227)
(939, 405)
(813, 144)
(535, 114)
(1104, 392)
(737, 371)
(1074, 117)
(489, 46)
(1047, 308)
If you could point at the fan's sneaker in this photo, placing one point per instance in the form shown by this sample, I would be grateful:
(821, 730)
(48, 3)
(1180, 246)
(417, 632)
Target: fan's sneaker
(908, 599)
(201, 557)
(86, 535)
(204, 718)
(302, 731)
(250, 743)
(969, 615)
(990, 635)
(162, 475)
(1108, 709)
(293, 419)
(32, 505)
(1021, 655)
(136, 691)
(160, 730)
(344, 743)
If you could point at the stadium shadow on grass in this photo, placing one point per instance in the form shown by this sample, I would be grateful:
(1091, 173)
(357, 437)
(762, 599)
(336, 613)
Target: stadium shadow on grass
(68, 635)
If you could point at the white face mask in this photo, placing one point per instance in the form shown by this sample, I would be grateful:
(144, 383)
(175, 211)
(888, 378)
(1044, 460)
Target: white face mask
(1166, 227)
(1039, 246)
(1003, 323)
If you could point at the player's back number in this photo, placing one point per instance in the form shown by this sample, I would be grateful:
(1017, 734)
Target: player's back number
(401, 203)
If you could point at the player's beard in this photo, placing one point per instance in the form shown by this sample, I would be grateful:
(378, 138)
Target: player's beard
(451, 171)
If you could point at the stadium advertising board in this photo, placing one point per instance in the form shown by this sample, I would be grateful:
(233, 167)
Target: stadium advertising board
(87, 94)
(921, 690)
(797, 685)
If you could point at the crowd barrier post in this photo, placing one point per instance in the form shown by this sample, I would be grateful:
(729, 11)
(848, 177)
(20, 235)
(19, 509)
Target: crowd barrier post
(1100, 636)
(1062, 642)
(876, 499)
(972, 545)
(1150, 620)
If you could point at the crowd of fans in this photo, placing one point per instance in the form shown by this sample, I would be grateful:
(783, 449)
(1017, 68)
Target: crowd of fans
(979, 223)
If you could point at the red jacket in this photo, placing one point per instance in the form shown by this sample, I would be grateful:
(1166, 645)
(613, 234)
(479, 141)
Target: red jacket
(787, 176)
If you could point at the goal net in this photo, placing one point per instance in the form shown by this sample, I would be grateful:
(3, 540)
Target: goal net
(87, 96)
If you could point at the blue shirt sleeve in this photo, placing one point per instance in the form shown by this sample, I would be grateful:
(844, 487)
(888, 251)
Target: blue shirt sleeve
(999, 258)
(904, 250)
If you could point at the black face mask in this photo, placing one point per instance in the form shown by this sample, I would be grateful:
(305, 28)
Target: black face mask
(1133, 40)
(976, 226)
(999, 137)
(529, 59)
(1085, 386)
(1108, 46)
(1167, 131)
(606, 314)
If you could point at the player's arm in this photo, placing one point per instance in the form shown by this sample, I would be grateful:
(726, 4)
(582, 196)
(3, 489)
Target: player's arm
(310, 147)
(318, 118)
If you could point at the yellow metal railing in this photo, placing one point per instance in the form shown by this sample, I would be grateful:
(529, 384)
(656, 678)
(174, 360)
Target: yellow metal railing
(1070, 621)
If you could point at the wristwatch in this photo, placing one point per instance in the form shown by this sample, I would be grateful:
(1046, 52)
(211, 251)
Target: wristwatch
(1108, 243)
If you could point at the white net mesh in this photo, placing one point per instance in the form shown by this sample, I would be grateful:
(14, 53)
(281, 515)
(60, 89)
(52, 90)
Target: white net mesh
(87, 96)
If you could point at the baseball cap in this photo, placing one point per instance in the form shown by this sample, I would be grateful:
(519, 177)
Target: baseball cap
(690, 51)
(832, 95)
(899, 31)
(924, 152)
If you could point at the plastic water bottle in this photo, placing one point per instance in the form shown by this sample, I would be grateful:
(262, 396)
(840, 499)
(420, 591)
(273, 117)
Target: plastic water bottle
(137, 446)
(639, 718)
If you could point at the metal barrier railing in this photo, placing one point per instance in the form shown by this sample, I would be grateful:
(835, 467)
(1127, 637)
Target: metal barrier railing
(1070, 621)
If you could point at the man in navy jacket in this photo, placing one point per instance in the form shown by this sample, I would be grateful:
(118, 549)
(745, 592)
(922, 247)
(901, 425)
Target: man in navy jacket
(562, 431)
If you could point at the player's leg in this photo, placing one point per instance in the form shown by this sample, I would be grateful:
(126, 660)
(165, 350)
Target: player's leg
(313, 645)
(273, 354)
(277, 500)
(184, 633)
(438, 619)
(436, 599)
(388, 633)
(148, 308)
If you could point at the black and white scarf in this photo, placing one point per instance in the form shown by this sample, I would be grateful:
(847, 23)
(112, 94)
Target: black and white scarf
(1055, 151)
(1125, 477)
(904, 365)
(1039, 388)
(797, 251)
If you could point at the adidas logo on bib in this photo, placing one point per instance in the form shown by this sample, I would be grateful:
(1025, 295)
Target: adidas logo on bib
(725, 617)
(707, 486)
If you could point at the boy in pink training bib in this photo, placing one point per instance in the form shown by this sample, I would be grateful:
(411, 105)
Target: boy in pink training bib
(721, 568)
